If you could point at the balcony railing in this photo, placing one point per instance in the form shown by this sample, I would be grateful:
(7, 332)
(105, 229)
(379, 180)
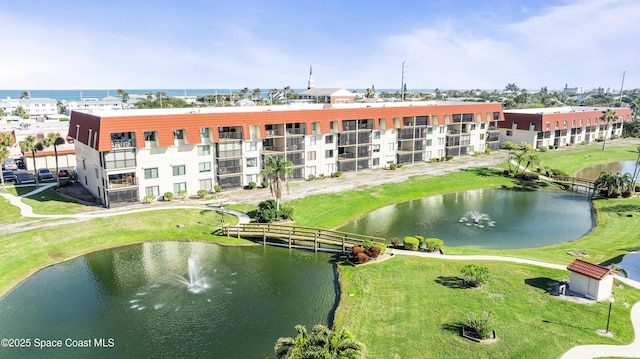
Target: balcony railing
(123, 143)
(296, 131)
(229, 154)
(230, 135)
(273, 148)
(122, 182)
(274, 133)
(229, 170)
(296, 147)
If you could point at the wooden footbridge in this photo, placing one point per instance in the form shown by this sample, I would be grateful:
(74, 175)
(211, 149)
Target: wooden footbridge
(576, 184)
(299, 237)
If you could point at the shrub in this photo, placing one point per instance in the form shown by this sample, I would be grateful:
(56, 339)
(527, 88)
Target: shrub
(411, 243)
(217, 188)
(362, 258)
(312, 177)
(367, 244)
(400, 165)
(168, 196)
(338, 173)
(286, 212)
(375, 251)
(557, 172)
(149, 198)
(202, 193)
(433, 244)
(393, 166)
(487, 150)
(358, 249)
(420, 241)
(265, 184)
(543, 148)
(474, 275)
(395, 241)
(182, 194)
(449, 157)
(482, 324)
(252, 185)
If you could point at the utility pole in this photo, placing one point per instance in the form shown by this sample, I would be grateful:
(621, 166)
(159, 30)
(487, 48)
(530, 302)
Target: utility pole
(402, 85)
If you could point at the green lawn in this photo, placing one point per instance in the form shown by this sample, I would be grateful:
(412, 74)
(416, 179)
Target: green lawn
(411, 307)
(10, 213)
(571, 159)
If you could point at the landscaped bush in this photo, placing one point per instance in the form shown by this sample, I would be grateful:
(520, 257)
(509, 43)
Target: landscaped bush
(252, 185)
(482, 324)
(395, 241)
(182, 194)
(367, 244)
(474, 276)
(286, 212)
(311, 177)
(420, 241)
(400, 165)
(543, 148)
(168, 196)
(487, 150)
(338, 173)
(433, 244)
(149, 198)
(268, 213)
(217, 188)
(393, 166)
(265, 184)
(551, 147)
(202, 193)
(557, 172)
(411, 243)
(375, 251)
(449, 157)
(358, 249)
(362, 258)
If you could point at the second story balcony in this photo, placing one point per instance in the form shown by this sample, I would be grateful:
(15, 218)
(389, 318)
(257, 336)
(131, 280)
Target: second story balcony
(123, 139)
(122, 180)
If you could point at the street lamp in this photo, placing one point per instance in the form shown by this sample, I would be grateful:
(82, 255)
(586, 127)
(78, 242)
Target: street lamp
(611, 300)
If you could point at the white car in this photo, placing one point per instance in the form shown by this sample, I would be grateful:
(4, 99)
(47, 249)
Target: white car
(10, 164)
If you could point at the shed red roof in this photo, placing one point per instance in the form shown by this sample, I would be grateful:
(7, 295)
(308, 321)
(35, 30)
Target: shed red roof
(589, 269)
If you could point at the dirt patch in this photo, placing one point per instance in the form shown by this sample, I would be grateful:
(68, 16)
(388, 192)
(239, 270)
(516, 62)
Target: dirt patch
(78, 192)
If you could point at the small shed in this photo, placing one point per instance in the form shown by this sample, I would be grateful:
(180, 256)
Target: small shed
(591, 280)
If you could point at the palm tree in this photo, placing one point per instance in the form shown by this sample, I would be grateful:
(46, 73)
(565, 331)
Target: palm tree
(322, 342)
(635, 169)
(53, 139)
(24, 95)
(6, 140)
(31, 144)
(123, 95)
(510, 146)
(607, 117)
(531, 159)
(277, 170)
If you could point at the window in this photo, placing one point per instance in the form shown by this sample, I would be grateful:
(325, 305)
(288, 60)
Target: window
(509, 133)
(205, 132)
(482, 136)
(204, 150)
(312, 140)
(442, 128)
(311, 155)
(252, 162)
(252, 146)
(429, 130)
(376, 148)
(328, 154)
(97, 173)
(206, 184)
(178, 170)
(440, 141)
(152, 191)
(150, 173)
(178, 134)
(482, 126)
(84, 164)
(252, 178)
(376, 135)
(181, 186)
(429, 143)
(149, 135)
(376, 161)
(391, 146)
(328, 139)
(204, 167)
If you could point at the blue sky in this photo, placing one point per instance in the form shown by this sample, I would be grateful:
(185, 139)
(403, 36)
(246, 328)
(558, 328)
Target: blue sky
(446, 44)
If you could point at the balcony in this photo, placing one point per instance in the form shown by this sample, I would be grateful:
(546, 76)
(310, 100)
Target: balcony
(122, 181)
(228, 170)
(272, 149)
(230, 135)
(296, 131)
(346, 156)
(274, 133)
(123, 143)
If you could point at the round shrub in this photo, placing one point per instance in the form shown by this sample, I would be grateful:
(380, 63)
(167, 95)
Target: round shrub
(168, 196)
(393, 166)
(338, 173)
(362, 258)
(487, 150)
(265, 184)
(357, 249)
(411, 243)
(374, 251)
(252, 185)
(395, 241)
(433, 244)
(202, 193)
(217, 188)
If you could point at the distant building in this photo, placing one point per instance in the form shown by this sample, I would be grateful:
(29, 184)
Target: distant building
(94, 104)
(559, 126)
(325, 95)
(35, 107)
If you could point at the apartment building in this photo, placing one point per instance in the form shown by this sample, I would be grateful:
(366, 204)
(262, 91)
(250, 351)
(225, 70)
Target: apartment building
(560, 126)
(35, 107)
(126, 155)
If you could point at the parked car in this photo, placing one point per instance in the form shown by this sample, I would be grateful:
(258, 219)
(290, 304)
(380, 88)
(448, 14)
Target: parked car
(63, 173)
(44, 174)
(9, 176)
(10, 164)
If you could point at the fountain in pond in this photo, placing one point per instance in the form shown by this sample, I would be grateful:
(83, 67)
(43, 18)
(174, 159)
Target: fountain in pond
(196, 281)
(478, 219)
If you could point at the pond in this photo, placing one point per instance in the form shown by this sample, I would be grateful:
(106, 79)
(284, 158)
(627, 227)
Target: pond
(631, 264)
(593, 172)
(138, 302)
(507, 218)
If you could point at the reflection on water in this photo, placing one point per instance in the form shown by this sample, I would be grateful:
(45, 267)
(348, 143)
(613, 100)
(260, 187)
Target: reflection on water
(631, 264)
(520, 219)
(133, 294)
(593, 172)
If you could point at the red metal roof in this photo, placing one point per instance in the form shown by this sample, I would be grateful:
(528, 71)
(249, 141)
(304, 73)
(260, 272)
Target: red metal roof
(589, 269)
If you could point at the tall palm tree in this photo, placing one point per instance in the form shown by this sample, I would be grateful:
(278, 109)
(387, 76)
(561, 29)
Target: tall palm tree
(277, 170)
(531, 158)
(53, 139)
(24, 95)
(607, 117)
(6, 140)
(635, 169)
(322, 342)
(509, 146)
(33, 145)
